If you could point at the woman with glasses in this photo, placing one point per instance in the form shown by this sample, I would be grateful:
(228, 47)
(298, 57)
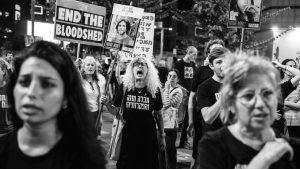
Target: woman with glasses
(48, 106)
(92, 86)
(142, 112)
(250, 95)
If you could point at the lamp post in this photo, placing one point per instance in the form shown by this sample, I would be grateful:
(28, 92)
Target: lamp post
(32, 17)
(162, 29)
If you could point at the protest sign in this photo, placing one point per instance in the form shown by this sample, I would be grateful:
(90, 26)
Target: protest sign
(244, 14)
(79, 22)
(144, 41)
(123, 27)
(30, 39)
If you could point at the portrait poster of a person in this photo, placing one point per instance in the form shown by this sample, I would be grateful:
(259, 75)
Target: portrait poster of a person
(122, 33)
(123, 27)
(244, 13)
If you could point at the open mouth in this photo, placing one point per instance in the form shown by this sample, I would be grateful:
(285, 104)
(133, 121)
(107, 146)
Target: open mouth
(261, 115)
(139, 72)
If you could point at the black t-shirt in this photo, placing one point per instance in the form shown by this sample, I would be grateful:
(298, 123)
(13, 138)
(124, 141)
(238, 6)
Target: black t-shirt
(162, 73)
(6, 125)
(221, 150)
(139, 139)
(186, 73)
(62, 156)
(286, 88)
(207, 95)
(201, 74)
(11, 157)
(138, 107)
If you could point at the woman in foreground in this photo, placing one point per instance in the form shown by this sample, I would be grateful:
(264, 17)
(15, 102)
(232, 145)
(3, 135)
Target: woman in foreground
(250, 95)
(49, 110)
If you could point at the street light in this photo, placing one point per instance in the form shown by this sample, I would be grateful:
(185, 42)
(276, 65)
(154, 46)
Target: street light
(162, 29)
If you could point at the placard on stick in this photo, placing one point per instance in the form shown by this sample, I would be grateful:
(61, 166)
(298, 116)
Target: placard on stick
(79, 22)
(123, 27)
(244, 14)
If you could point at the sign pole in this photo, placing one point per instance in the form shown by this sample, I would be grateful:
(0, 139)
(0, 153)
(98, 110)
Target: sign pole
(98, 123)
(161, 43)
(78, 50)
(242, 39)
(32, 18)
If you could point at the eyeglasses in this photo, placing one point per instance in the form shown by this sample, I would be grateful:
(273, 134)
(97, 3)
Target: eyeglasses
(139, 64)
(249, 98)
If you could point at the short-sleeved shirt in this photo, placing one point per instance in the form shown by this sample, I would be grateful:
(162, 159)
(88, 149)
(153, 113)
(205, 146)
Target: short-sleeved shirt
(207, 95)
(138, 107)
(6, 125)
(59, 157)
(139, 139)
(201, 74)
(162, 73)
(186, 73)
(221, 150)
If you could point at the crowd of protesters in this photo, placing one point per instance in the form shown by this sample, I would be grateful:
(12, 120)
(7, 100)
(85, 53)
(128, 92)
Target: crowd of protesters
(242, 110)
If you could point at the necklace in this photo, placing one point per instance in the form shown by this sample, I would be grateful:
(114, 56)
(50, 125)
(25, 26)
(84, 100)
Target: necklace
(91, 84)
(139, 90)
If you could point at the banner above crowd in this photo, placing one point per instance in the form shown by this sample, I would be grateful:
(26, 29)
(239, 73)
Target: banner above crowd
(244, 14)
(123, 27)
(79, 22)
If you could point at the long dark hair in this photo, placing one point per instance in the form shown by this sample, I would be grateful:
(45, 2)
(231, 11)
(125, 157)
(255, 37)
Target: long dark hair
(284, 62)
(74, 121)
(128, 26)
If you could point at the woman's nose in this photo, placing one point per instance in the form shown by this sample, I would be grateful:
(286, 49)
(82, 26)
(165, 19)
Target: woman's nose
(33, 90)
(259, 101)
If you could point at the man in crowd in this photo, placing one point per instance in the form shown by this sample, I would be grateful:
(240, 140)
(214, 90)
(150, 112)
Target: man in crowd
(162, 72)
(186, 67)
(9, 60)
(202, 73)
(208, 96)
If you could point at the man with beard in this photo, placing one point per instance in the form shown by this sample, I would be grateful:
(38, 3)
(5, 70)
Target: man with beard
(208, 96)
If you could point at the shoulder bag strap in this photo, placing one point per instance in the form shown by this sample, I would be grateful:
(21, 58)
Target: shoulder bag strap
(98, 98)
(173, 89)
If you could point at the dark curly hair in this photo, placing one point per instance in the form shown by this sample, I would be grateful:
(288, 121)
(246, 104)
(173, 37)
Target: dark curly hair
(128, 26)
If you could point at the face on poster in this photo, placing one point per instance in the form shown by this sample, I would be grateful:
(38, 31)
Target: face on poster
(123, 27)
(245, 13)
